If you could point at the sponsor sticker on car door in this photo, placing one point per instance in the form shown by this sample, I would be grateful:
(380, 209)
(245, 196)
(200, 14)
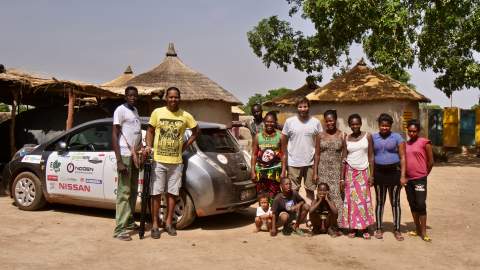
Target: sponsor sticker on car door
(78, 174)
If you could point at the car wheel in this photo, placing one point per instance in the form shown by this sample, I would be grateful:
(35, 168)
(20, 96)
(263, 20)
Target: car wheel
(184, 210)
(27, 192)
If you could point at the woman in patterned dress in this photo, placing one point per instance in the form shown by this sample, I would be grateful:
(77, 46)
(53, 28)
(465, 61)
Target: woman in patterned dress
(267, 158)
(358, 174)
(330, 151)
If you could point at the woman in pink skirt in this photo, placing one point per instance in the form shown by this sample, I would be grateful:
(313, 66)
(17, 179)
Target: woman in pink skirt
(357, 205)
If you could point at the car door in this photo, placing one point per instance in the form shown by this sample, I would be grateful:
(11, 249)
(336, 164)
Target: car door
(78, 171)
(110, 175)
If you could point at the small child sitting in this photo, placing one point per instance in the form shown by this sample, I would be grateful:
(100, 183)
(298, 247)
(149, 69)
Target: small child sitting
(323, 212)
(263, 220)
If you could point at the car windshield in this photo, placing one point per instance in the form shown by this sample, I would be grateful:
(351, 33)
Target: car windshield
(216, 140)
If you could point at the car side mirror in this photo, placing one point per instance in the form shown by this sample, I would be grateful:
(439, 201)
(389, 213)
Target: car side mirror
(61, 146)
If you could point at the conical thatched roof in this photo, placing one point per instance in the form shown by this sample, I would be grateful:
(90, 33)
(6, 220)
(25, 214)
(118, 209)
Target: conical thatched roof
(362, 83)
(291, 98)
(119, 84)
(193, 85)
(121, 80)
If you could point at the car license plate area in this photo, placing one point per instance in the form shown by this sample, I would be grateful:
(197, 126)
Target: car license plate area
(247, 194)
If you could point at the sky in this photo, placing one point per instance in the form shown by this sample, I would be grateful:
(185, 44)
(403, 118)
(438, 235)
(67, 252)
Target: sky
(94, 41)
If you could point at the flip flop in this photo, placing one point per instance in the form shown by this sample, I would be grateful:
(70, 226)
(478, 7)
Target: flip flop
(378, 234)
(332, 232)
(398, 236)
(366, 236)
(412, 233)
(427, 239)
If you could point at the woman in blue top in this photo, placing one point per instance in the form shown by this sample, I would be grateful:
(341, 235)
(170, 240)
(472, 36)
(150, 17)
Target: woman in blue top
(389, 172)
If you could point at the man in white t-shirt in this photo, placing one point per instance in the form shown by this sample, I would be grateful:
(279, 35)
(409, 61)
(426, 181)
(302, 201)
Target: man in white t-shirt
(299, 136)
(126, 140)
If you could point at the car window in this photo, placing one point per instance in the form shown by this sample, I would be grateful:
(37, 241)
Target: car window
(96, 138)
(216, 140)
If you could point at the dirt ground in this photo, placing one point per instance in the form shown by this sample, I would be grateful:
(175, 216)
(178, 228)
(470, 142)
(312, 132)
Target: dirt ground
(62, 237)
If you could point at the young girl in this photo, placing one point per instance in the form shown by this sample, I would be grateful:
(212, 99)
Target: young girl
(263, 220)
(389, 174)
(419, 164)
(323, 213)
(357, 205)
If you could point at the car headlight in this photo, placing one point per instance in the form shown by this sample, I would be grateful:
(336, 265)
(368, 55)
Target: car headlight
(23, 152)
(247, 157)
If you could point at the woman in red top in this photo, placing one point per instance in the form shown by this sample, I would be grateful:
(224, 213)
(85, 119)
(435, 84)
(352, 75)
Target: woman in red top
(419, 157)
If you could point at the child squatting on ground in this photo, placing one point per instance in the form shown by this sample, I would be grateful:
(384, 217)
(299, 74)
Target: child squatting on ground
(323, 212)
(263, 219)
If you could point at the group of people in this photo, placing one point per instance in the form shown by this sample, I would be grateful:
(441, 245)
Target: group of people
(337, 169)
(164, 140)
(340, 168)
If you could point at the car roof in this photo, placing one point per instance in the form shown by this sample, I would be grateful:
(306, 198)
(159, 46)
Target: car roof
(144, 120)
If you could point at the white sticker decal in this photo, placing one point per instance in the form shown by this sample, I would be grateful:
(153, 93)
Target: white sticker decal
(222, 159)
(35, 159)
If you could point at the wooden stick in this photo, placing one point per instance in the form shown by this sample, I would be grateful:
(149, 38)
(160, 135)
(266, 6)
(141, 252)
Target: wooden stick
(13, 148)
(71, 103)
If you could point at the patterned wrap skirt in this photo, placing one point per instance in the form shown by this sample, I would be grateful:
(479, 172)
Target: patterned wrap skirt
(357, 205)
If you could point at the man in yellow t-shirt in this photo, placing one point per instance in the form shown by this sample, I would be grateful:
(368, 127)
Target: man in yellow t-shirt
(165, 132)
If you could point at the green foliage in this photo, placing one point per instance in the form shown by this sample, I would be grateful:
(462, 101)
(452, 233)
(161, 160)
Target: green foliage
(258, 98)
(4, 107)
(441, 35)
(22, 108)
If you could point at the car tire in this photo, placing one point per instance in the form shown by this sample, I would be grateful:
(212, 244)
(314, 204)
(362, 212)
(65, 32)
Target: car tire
(184, 210)
(27, 192)
(188, 215)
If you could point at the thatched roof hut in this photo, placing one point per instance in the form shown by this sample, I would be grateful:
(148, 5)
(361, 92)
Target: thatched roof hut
(362, 83)
(201, 96)
(121, 80)
(119, 84)
(19, 87)
(193, 85)
(36, 90)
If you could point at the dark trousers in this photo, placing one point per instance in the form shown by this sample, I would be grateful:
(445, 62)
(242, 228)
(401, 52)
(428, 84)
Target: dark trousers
(417, 195)
(394, 195)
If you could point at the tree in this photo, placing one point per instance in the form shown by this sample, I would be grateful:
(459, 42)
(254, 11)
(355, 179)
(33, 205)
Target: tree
(441, 35)
(4, 107)
(259, 99)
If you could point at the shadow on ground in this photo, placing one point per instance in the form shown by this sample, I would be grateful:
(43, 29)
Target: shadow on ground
(460, 160)
(233, 220)
(217, 222)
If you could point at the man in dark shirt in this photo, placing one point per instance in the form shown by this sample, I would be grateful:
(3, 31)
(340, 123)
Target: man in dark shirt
(286, 207)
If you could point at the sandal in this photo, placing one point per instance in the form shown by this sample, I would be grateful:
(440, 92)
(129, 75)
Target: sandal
(298, 232)
(155, 233)
(352, 234)
(366, 236)
(427, 239)
(379, 234)
(124, 237)
(412, 233)
(398, 236)
(332, 232)
(308, 224)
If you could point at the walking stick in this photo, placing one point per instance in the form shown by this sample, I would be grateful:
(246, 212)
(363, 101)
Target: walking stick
(145, 195)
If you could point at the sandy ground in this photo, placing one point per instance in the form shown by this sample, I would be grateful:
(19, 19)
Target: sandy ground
(78, 238)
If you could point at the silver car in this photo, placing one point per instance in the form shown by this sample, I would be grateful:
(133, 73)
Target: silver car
(79, 167)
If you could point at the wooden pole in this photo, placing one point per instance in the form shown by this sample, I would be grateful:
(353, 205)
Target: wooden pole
(71, 103)
(13, 148)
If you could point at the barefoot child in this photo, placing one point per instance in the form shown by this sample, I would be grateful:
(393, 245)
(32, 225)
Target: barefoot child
(263, 220)
(323, 212)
